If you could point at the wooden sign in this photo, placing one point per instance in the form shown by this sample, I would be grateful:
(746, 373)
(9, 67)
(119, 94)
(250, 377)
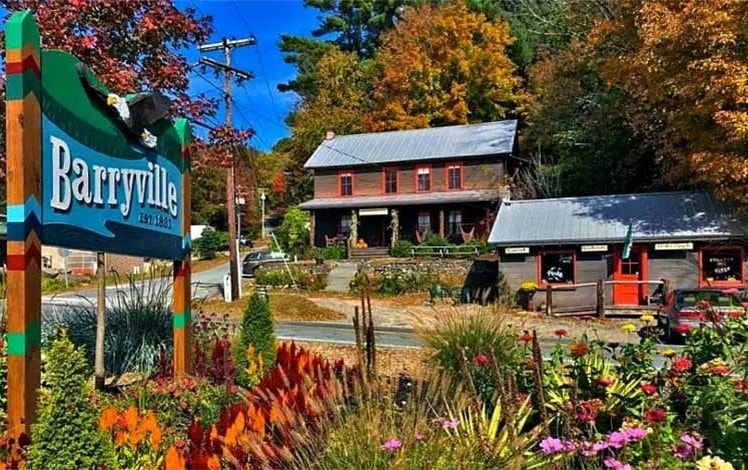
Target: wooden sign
(594, 248)
(86, 169)
(517, 250)
(673, 246)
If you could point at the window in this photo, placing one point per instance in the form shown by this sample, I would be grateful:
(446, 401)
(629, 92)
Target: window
(454, 176)
(423, 178)
(424, 222)
(346, 183)
(345, 224)
(454, 223)
(632, 265)
(721, 266)
(390, 180)
(557, 268)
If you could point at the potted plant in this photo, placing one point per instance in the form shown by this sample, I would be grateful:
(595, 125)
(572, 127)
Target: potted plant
(525, 294)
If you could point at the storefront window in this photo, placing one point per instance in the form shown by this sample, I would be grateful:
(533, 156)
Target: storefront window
(557, 268)
(345, 224)
(424, 222)
(722, 265)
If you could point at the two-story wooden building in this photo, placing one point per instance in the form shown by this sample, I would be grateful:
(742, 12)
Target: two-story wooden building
(382, 187)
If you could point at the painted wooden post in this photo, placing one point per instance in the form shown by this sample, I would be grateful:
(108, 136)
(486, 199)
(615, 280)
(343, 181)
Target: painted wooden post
(600, 302)
(395, 226)
(312, 228)
(182, 301)
(549, 300)
(23, 147)
(441, 223)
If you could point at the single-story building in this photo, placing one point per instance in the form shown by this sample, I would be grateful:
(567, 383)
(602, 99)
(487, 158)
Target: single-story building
(687, 238)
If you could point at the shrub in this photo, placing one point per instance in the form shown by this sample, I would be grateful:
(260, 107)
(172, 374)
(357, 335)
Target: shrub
(303, 277)
(208, 244)
(293, 234)
(462, 338)
(401, 249)
(139, 325)
(256, 337)
(334, 252)
(66, 435)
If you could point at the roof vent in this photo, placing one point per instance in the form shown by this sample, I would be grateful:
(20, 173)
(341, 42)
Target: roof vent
(330, 134)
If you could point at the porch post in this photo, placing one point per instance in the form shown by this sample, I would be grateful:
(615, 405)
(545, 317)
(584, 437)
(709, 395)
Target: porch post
(441, 223)
(395, 226)
(353, 238)
(312, 228)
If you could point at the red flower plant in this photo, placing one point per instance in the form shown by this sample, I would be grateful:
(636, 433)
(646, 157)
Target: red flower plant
(649, 388)
(605, 382)
(683, 329)
(655, 415)
(480, 360)
(560, 332)
(681, 364)
(579, 349)
(526, 337)
(720, 370)
(587, 410)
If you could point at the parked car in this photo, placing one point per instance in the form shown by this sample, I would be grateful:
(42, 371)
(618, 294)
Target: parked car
(259, 258)
(681, 307)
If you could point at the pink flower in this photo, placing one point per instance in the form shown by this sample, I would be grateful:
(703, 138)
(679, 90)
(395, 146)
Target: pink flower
(560, 332)
(419, 437)
(450, 423)
(682, 451)
(648, 388)
(614, 464)
(693, 439)
(552, 445)
(480, 360)
(392, 444)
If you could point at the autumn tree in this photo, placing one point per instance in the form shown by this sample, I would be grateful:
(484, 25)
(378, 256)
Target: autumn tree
(443, 65)
(684, 65)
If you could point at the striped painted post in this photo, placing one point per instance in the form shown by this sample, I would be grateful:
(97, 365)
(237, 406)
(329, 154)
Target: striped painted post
(182, 301)
(23, 134)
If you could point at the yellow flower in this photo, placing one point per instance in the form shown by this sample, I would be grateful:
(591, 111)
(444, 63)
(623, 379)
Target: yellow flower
(668, 352)
(628, 328)
(713, 463)
(647, 318)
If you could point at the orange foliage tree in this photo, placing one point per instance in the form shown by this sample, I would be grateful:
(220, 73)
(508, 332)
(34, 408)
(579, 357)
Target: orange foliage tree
(443, 65)
(685, 66)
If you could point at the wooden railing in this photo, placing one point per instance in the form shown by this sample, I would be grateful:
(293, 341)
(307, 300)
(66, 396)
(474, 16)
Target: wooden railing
(456, 251)
(599, 307)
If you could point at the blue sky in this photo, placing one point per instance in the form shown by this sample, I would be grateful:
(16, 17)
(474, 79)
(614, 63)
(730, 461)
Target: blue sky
(257, 103)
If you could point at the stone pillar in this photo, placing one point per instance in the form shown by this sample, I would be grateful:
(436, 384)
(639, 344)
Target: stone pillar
(353, 237)
(394, 226)
(441, 223)
(312, 228)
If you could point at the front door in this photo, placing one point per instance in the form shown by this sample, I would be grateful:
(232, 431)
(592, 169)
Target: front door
(627, 291)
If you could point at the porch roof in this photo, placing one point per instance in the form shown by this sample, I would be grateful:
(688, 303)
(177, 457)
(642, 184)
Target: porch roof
(672, 216)
(394, 200)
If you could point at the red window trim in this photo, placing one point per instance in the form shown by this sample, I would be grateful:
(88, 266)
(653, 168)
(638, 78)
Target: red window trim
(384, 179)
(431, 178)
(446, 176)
(704, 283)
(539, 266)
(340, 186)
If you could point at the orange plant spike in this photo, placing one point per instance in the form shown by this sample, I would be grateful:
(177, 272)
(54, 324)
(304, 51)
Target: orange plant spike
(108, 419)
(173, 460)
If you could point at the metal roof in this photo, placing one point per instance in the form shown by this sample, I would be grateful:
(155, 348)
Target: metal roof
(654, 216)
(471, 140)
(445, 197)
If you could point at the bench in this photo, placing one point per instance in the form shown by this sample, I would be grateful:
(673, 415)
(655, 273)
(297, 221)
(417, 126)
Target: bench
(457, 294)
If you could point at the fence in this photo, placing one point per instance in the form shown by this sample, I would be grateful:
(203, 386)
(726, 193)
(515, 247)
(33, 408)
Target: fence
(598, 306)
(456, 251)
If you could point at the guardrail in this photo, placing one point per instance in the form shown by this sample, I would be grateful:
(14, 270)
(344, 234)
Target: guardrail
(599, 307)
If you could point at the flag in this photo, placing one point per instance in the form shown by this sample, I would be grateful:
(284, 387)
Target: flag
(627, 241)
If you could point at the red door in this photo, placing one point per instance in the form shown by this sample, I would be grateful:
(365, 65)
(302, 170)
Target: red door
(628, 270)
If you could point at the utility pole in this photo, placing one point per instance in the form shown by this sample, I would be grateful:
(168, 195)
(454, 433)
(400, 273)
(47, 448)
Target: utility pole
(227, 45)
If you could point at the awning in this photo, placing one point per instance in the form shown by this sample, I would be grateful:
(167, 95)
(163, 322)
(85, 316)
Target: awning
(394, 200)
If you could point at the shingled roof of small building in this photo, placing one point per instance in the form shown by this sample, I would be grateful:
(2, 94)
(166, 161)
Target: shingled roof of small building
(664, 216)
(434, 143)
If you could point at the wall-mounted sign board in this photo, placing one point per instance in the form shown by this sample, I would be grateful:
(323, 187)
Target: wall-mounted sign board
(517, 250)
(594, 248)
(373, 211)
(673, 246)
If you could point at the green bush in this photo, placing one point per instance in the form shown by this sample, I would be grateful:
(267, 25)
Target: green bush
(139, 325)
(279, 277)
(256, 330)
(432, 239)
(208, 244)
(470, 336)
(293, 234)
(332, 252)
(401, 249)
(401, 282)
(66, 435)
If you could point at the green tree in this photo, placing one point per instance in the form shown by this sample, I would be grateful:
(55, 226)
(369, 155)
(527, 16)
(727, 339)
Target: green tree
(208, 244)
(293, 234)
(256, 331)
(66, 435)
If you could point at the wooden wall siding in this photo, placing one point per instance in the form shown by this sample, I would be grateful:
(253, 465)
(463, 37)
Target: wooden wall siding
(367, 181)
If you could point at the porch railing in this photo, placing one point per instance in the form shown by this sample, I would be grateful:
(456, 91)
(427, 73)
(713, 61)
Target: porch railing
(600, 306)
(457, 251)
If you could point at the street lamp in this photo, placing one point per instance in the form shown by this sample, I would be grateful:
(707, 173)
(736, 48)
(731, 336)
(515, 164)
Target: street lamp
(262, 216)
(239, 201)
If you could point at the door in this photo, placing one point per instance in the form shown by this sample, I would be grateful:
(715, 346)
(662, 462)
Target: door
(628, 271)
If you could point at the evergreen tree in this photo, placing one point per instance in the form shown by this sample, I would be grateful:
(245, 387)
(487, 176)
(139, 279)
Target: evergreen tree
(258, 332)
(66, 435)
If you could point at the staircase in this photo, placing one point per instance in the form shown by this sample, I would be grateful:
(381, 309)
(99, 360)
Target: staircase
(369, 253)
